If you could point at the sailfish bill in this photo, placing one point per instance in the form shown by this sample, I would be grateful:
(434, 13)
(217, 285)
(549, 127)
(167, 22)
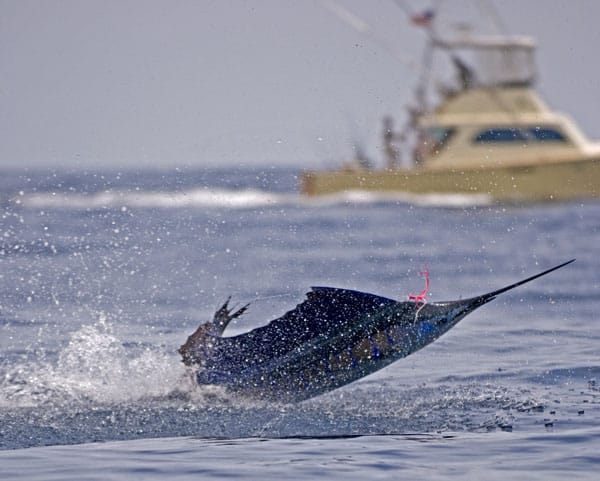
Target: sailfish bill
(336, 336)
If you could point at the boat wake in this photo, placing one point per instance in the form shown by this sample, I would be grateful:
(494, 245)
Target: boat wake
(234, 199)
(422, 200)
(115, 199)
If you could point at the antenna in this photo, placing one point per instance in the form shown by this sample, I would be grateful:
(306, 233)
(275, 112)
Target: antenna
(357, 23)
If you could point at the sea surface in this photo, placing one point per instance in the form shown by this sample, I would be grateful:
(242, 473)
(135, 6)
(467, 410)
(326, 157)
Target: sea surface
(103, 275)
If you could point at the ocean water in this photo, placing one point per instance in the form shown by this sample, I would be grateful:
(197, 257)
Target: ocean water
(104, 274)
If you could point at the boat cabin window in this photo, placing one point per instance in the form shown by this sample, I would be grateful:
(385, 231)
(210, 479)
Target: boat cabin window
(501, 135)
(436, 138)
(513, 134)
(440, 135)
(547, 134)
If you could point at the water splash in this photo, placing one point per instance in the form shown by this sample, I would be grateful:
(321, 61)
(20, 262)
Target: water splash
(99, 388)
(93, 367)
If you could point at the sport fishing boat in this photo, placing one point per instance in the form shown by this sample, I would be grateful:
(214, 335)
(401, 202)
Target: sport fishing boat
(490, 133)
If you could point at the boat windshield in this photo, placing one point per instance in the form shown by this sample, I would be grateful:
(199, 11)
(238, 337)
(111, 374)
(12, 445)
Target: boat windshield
(520, 134)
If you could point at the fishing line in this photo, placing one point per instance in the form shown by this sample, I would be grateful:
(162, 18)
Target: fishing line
(276, 296)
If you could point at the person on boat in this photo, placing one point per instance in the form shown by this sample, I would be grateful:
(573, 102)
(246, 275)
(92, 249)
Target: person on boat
(392, 153)
(466, 76)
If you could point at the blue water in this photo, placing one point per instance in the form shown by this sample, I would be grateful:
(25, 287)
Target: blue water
(104, 274)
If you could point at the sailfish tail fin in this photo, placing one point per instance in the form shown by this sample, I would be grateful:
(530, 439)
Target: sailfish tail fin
(223, 316)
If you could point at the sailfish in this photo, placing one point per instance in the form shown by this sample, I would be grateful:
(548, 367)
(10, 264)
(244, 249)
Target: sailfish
(334, 337)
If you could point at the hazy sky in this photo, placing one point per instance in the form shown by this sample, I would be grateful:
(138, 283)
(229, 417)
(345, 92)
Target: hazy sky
(143, 83)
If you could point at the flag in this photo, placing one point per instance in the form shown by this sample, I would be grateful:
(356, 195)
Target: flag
(423, 19)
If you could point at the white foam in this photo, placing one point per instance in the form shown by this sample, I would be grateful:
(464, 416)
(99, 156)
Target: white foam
(236, 199)
(204, 197)
(94, 366)
(424, 200)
